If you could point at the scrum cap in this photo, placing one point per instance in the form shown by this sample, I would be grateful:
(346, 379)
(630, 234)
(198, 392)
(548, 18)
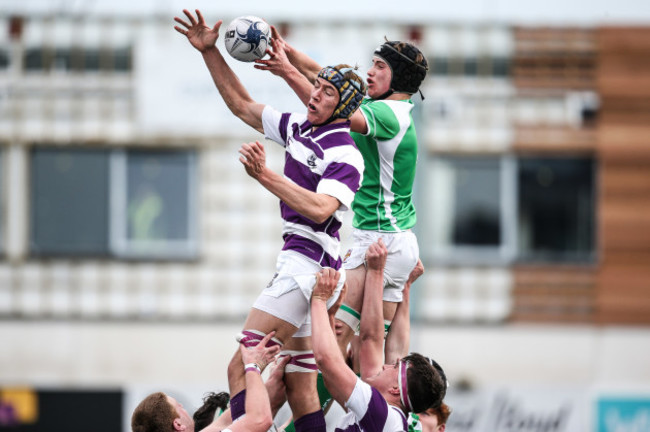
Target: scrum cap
(407, 63)
(351, 91)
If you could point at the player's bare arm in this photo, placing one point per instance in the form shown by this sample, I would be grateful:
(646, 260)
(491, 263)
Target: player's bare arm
(315, 206)
(338, 377)
(398, 339)
(234, 94)
(371, 351)
(307, 66)
(278, 64)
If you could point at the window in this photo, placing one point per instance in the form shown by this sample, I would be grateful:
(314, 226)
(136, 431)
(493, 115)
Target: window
(78, 59)
(501, 67)
(69, 201)
(37, 59)
(471, 67)
(122, 59)
(4, 59)
(123, 203)
(440, 66)
(496, 209)
(153, 192)
(556, 209)
(483, 66)
(467, 212)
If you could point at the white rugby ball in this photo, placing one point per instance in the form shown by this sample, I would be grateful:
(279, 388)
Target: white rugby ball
(247, 38)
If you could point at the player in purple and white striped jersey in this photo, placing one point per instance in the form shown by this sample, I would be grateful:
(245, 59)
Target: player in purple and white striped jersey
(323, 170)
(322, 160)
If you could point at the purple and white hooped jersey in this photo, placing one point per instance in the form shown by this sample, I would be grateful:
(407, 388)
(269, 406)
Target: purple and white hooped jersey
(368, 411)
(323, 161)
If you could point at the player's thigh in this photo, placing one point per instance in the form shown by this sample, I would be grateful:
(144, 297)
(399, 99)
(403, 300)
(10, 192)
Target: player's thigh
(356, 279)
(266, 323)
(389, 310)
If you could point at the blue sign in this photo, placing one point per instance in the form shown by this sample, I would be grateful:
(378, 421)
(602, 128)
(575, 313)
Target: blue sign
(623, 414)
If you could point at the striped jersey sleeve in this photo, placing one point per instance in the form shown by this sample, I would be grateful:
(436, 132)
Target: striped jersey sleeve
(368, 411)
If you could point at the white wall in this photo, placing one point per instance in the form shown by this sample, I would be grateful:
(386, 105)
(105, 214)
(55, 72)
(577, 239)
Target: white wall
(105, 353)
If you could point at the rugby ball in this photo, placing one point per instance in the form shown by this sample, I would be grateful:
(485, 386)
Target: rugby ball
(247, 38)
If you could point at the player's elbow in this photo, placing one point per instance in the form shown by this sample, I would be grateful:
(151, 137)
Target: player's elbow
(325, 360)
(261, 422)
(368, 337)
(320, 217)
(324, 210)
(319, 357)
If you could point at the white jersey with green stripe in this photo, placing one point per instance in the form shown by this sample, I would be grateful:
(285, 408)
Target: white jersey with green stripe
(384, 202)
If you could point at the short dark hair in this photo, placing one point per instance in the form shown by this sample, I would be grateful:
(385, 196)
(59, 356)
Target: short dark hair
(205, 414)
(154, 414)
(426, 386)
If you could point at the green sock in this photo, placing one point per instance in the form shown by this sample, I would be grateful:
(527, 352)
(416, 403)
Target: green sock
(324, 396)
(290, 427)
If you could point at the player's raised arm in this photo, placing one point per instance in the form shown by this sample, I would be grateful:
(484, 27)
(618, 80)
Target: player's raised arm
(371, 332)
(278, 64)
(398, 339)
(307, 66)
(234, 94)
(295, 67)
(338, 377)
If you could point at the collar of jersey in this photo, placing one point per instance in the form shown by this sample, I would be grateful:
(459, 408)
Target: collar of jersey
(306, 127)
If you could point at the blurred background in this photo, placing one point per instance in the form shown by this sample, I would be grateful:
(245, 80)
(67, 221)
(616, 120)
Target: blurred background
(133, 243)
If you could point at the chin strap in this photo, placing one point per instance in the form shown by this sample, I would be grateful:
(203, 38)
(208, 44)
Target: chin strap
(385, 95)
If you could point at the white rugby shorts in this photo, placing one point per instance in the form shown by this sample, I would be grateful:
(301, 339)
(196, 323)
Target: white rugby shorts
(288, 294)
(403, 255)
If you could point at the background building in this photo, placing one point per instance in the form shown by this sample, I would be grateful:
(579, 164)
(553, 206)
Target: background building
(133, 243)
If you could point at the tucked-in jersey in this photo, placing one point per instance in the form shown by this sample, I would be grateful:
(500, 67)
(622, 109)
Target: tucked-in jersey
(323, 161)
(385, 200)
(368, 411)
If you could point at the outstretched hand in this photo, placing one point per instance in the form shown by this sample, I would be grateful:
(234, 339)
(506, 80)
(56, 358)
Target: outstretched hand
(198, 33)
(278, 63)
